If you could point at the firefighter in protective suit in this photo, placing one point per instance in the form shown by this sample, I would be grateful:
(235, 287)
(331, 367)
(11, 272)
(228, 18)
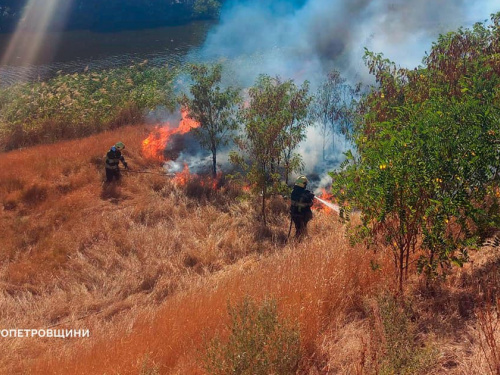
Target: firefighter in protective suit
(113, 159)
(300, 209)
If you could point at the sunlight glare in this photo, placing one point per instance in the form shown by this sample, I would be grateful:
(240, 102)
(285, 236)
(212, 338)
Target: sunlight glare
(31, 36)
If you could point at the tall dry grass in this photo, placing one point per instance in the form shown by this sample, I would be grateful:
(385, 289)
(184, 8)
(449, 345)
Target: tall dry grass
(77, 252)
(149, 267)
(320, 284)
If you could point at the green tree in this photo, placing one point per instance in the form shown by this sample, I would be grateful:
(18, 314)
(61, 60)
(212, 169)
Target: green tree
(334, 107)
(213, 107)
(274, 121)
(295, 121)
(427, 154)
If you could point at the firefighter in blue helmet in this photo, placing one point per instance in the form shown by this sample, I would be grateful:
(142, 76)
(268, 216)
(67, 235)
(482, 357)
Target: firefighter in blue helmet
(113, 159)
(300, 208)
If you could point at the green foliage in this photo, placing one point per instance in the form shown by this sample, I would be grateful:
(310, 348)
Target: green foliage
(76, 105)
(399, 351)
(428, 152)
(212, 107)
(335, 107)
(259, 343)
(275, 121)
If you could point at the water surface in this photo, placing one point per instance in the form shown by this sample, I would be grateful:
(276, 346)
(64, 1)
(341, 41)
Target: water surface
(73, 51)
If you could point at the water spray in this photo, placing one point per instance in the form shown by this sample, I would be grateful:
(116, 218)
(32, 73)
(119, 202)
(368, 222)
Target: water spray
(334, 207)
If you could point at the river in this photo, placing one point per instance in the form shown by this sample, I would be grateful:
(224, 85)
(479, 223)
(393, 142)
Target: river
(73, 51)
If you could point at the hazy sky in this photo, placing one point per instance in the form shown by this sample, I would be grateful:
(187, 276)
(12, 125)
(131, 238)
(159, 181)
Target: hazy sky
(298, 41)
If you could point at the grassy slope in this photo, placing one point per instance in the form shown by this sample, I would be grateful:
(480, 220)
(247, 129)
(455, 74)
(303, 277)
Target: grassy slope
(149, 268)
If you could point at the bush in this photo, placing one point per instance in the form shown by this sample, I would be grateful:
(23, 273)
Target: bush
(76, 105)
(489, 329)
(398, 351)
(35, 194)
(259, 343)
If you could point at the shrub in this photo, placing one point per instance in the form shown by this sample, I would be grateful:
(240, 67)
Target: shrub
(76, 105)
(35, 194)
(259, 343)
(398, 351)
(489, 328)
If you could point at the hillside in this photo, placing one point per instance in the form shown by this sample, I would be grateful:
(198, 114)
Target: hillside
(149, 267)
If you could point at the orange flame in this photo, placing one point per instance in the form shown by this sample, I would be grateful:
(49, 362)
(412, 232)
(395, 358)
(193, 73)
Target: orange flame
(327, 196)
(154, 145)
(183, 177)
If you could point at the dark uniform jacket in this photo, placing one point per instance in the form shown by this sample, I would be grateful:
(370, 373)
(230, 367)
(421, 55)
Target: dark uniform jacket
(302, 200)
(113, 158)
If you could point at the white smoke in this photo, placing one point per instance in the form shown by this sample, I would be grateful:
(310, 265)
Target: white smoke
(317, 164)
(304, 39)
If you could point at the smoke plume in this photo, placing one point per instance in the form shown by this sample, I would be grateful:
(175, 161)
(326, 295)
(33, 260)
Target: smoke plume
(304, 39)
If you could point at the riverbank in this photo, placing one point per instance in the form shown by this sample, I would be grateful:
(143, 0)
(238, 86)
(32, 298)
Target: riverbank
(75, 105)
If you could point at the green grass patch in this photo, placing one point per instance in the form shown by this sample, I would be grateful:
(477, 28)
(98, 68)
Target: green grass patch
(75, 105)
(259, 342)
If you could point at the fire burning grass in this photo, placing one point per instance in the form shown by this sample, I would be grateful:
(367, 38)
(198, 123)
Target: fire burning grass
(155, 253)
(71, 245)
(153, 147)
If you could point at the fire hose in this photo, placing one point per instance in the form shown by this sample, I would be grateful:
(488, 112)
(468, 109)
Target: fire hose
(334, 207)
(148, 172)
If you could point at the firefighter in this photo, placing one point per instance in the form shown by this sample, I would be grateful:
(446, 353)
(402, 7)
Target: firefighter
(300, 208)
(113, 159)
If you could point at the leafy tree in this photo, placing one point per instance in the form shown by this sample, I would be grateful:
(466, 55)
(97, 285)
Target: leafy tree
(427, 152)
(275, 120)
(334, 107)
(213, 107)
(295, 120)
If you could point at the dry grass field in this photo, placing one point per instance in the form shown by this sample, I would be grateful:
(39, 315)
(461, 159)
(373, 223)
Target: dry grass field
(150, 266)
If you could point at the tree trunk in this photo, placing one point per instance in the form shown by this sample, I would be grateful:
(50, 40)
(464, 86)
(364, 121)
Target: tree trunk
(264, 191)
(401, 269)
(325, 131)
(407, 260)
(214, 163)
(324, 145)
(333, 138)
